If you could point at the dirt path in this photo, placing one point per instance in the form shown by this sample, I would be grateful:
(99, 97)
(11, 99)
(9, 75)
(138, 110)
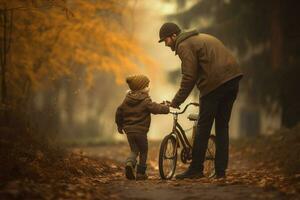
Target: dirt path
(242, 182)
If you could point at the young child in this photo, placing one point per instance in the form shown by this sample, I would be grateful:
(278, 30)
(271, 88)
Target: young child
(133, 118)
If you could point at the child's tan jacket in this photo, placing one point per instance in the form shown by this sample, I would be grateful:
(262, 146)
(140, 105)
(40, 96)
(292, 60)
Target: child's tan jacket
(134, 114)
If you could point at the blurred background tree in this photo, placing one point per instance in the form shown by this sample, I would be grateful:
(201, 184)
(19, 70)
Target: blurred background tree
(54, 54)
(63, 62)
(265, 36)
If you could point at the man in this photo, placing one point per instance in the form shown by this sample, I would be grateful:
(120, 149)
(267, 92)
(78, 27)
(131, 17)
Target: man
(207, 63)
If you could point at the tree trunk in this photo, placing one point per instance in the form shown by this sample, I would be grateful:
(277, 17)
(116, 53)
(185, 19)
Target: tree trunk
(289, 72)
(6, 24)
(276, 36)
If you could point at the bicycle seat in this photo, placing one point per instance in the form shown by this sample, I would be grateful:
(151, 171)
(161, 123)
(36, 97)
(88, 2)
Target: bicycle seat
(193, 117)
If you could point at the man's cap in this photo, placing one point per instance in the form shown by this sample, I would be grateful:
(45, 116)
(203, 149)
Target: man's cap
(168, 29)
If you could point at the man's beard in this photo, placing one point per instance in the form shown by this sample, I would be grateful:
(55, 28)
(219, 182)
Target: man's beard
(172, 46)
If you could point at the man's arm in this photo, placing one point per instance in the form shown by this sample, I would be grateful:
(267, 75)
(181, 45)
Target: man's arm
(189, 67)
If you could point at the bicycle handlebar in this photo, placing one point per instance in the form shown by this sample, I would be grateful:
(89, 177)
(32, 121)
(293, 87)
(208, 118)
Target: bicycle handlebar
(178, 113)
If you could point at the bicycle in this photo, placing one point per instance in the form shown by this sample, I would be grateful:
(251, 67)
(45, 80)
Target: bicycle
(177, 138)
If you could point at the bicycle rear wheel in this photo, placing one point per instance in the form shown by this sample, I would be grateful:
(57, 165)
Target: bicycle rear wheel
(209, 162)
(167, 157)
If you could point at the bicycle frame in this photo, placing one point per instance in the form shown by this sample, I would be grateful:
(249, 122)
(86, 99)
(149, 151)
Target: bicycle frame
(180, 135)
(178, 139)
(178, 130)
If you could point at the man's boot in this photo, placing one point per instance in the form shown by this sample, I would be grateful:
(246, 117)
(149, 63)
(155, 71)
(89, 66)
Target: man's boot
(190, 173)
(218, 175)
(141, 172)
(129, 170)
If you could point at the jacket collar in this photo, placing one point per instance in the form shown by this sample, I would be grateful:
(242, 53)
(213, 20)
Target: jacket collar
(183, 36)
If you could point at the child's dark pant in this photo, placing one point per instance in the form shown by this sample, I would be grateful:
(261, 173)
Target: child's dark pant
(139, 147)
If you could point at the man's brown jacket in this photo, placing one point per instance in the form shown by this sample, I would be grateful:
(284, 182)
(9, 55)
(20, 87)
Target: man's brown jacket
(205, 62)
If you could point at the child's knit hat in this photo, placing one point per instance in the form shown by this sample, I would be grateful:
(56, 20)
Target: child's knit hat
(137, 82)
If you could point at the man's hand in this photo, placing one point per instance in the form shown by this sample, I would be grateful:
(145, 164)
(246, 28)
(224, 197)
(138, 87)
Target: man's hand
(174, 106)
(120, 130)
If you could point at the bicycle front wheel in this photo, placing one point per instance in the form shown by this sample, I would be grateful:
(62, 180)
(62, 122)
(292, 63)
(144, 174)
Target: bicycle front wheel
(167, 157)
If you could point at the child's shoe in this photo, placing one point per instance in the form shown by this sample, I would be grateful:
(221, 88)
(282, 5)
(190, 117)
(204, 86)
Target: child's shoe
(129, 170)
(141, 172)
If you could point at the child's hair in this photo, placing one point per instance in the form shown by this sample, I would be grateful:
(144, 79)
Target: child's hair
(137, 82)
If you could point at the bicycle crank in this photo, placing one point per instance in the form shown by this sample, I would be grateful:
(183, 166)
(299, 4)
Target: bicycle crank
(186, 155)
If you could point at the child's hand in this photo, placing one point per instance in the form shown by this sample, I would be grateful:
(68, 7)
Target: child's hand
(120, 130)
(167, 103)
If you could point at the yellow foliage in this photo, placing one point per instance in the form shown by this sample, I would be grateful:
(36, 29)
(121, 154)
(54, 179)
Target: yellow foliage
(70, 38)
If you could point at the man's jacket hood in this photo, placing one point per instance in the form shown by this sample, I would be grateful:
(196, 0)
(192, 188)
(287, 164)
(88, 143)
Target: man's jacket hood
(183, 36)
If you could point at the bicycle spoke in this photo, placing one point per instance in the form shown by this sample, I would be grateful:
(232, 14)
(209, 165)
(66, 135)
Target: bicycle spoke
(168, 157)
(210, 158)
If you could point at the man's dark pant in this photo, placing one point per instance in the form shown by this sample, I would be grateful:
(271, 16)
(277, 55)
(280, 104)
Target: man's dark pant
(139, 147)
(216, 105)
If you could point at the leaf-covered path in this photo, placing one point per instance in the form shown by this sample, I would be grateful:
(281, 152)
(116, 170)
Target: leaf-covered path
(98, 173)
(245, 180)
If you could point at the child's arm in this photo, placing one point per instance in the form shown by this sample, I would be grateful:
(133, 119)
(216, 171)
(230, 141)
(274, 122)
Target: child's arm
(119, 119)
(157, 108)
